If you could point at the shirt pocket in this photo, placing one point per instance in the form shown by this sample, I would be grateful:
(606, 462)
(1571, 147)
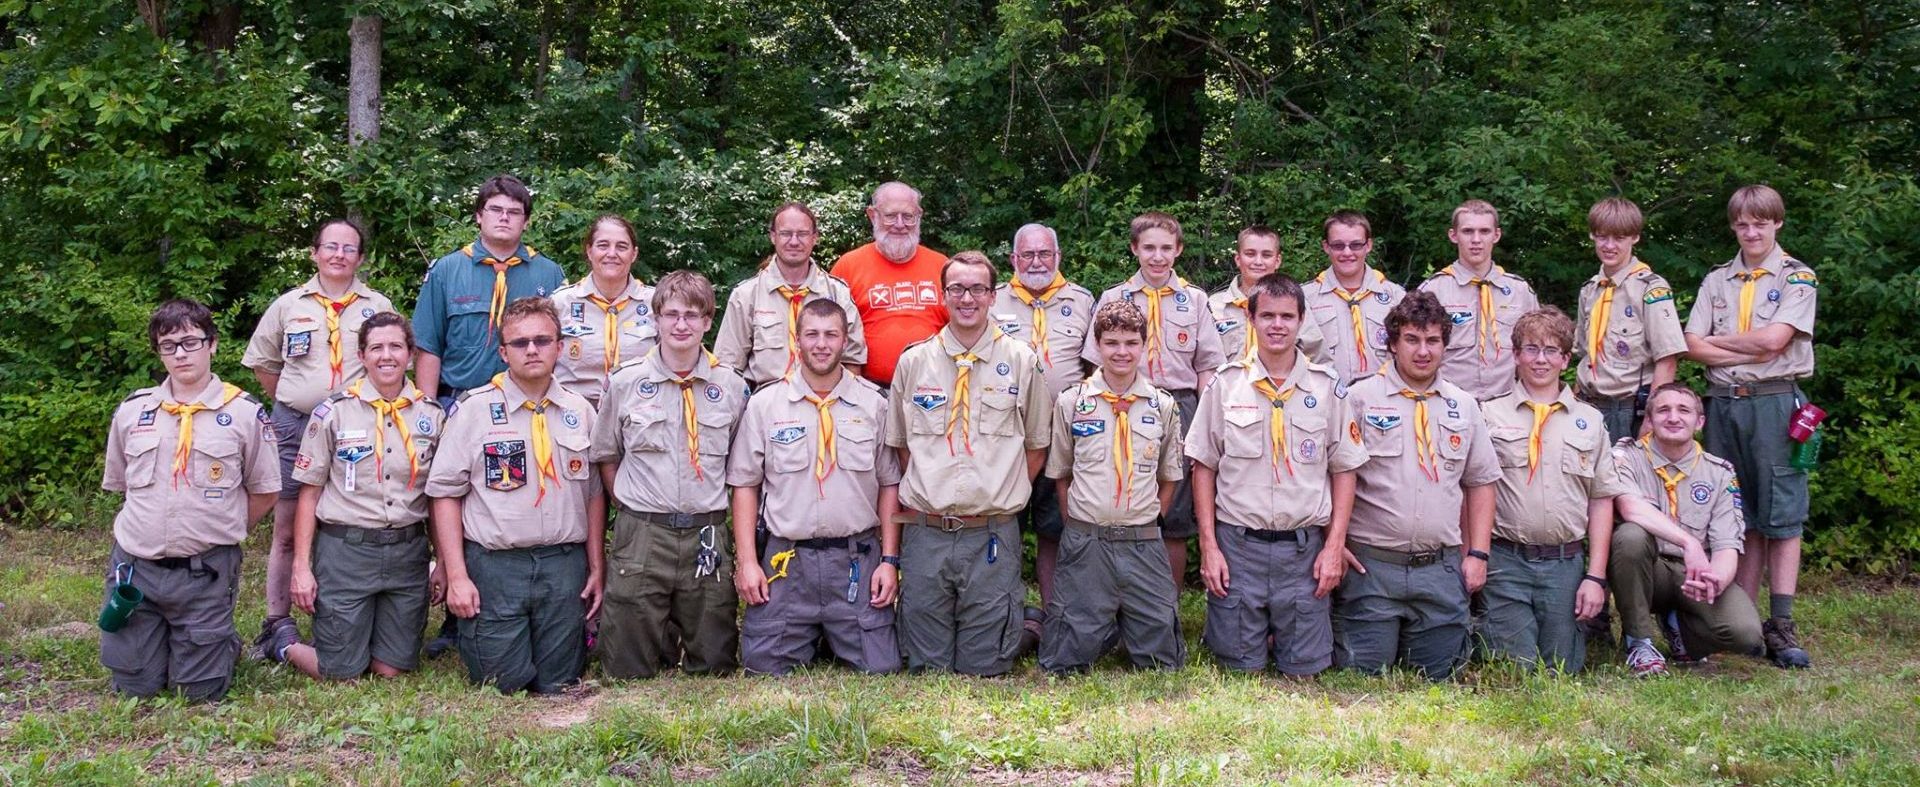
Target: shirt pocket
(1308, 433)
(645, 430)
(1147, 438)
(216, 461)
(1178, 331)
(1450, 437)
(716, 436)
(142, 454)
(1510, 445)
(572, 459)
(467, 327)
(770, 329)
(1246, 433)
(795, 455)
(854, 444)
(1582, 447)
(999, 413)
(927, 412)
(1388, 441)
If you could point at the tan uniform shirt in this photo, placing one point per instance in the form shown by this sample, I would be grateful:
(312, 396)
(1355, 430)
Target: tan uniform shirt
(1232, 433)
(359, 457)
(585, 363)
(1006, 404)
(1188, 341)
(642, 426)
(1640, 328)
(1481, 363)
(1069, 315)
(292, 341)
(204, 505)
(489, 437)
(1327, 308)
(778, 450)
(1235, 325)
(1086, 448)
(753, 330)
(1705, 498)
(1546, 503)
(1785, 294)
(1397, 504)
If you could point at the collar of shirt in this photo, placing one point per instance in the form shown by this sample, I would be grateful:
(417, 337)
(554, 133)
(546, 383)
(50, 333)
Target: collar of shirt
(209, 396)
(517, 398)
(1257, 370)
(1329, 283)
(1517, 399)
(1392, 375)
(950, 344)
(1618, 278)
(1233, 290)
(477, 251)
(771, 279)
(1097, 385)
(368, 393)
(1464, 275)
(1659, 458)
(797, 390)
(312, 287)
(655, 367)
(1774, 263)
(1138, 282)
(636, 288)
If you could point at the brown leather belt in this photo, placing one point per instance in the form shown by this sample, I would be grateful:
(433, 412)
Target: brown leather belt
(1744, 390)
(950, 524)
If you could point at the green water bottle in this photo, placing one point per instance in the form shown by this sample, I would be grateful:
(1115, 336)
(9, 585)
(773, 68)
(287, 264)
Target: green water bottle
(1806, 454)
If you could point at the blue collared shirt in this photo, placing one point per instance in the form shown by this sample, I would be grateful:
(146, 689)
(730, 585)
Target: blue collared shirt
(451, 318)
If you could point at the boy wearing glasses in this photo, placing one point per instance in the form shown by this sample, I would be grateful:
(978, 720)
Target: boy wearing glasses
(1630, 337)
(757, 330)
(195, 458)
(969, 416)
(1349, 300)
(1183, 349)
(661, 447)
(300, 355)
(1255, 254)
(518, 518)
(1553, 507)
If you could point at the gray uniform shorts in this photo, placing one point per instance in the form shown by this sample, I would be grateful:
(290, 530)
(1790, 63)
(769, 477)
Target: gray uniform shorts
(289, 426)
(372, 597)
(825, 593)
(182, 635)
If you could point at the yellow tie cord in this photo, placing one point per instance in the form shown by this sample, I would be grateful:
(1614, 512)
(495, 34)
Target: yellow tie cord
(389, 409)
(1671, 480)
(1247, 346)
(336, 351)
(796, 298)
(1277, 425)
(498, 306)
(1602, 315)
(611, 326)
(826, 450)
(1540, 413)
(542, 440)
(1423, 435)
(1122, 445)
(183, 450)
(1029, 298)
(1154, 339)
(961, 408)
(1749, 279)
(779, 564)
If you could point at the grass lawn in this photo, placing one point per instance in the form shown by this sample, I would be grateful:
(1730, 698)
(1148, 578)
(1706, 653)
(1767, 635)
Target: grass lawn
(1853, 719)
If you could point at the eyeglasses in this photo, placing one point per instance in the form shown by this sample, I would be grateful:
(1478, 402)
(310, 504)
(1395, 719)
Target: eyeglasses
(191, 344)
(1536, 351)
(1035, 256)
(954, 291)
(536, 342)
(1358, 245)
(670, 318)
(793, 235)
(905, 219)
(499, 212)
(336, 248)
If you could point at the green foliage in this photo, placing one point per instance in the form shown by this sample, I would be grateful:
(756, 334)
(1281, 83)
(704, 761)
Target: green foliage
(141, 166)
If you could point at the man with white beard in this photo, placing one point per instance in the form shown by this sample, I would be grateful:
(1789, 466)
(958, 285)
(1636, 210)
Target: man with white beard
(895, 280)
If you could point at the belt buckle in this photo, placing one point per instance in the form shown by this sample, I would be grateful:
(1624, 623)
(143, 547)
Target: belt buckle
(1423, 559)
(951, 524)
(355, 536)
(680, 520)
(1742, 390)
(1111, 532)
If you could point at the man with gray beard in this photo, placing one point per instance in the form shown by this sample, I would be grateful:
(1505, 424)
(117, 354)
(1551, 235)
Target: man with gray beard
(895, 281)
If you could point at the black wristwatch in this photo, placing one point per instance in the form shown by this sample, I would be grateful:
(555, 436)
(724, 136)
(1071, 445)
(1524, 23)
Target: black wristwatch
(1484, 557)
(891, 560)
(1595, 580)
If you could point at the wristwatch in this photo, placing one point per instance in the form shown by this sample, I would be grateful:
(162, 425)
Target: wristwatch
(891, 560)
(1484, 557)
(1595, 580)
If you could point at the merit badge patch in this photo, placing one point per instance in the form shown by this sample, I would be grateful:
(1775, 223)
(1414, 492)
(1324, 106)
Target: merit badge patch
(1308, 448)
(929, 402)
(1085, 407)
(1003, 369)
(1310, 402)
(506, 465)
(1453, 441)
(216, 471)
(1622, 348)
(146, 417)
(1181, 337)
(1657, 295)
(1803, 277)
(301, 462)
(788, 434)
(1088, 428)
(713, 392)
(1701, 493)
(1460, 318)
(497, 412)
(299, 344)
(224, 419)
(1382, 421)
(571, 418)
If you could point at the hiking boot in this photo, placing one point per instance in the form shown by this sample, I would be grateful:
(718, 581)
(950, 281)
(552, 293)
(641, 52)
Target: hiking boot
(285, 632)
(1783, 644)
(1644, 659)
(1030, 628)
(260, 648)
(1676, 644)
(448, 640)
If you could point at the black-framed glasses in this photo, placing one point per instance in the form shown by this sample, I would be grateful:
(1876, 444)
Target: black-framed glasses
(192, 344)
(976, 290)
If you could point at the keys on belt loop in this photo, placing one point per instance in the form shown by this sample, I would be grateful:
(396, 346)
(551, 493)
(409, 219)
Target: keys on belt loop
(707, 562)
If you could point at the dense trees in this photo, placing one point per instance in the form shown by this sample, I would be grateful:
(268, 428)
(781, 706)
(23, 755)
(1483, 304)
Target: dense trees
(183, 147)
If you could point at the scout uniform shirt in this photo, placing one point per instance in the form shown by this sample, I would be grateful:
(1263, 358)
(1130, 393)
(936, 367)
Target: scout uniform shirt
(187, 467)
(311, 341)
(1181, 338)
(968, 415)
(1064, 311)
(1480, 350)
(458, 314)
(759, 332)
(1116, 447)
(597, 335)
(1408, 493)
(665, 467)
(517, 492)
(1627, 324)
(819, 462)
(370, 456)
(1699, 491)
(1553, 459)
(1261, 485)
(1235, 326)
(1353, 324)
(1780, 290)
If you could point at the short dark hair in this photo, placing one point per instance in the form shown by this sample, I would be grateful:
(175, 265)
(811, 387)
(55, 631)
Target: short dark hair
(359, 232)
(386, 320)
(1276, 285)
(824, 307)
(1419, 309)
(506, 185)
(179, 314)
(1119, 316)
(530, 306)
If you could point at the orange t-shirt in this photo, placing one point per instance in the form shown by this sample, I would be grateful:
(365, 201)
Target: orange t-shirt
(900, 303)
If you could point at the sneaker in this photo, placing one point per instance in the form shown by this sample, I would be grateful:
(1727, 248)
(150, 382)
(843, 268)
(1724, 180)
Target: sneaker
(259, 649)
(285, 632)
(1644, 659)
(1783, 644)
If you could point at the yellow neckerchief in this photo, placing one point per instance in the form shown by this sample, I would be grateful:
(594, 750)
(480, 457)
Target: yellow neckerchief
(498, 306)
(1603, 313)
(1020, 291)
(390, 410)
(796, 298)
(1247, 345)
(961, 407)
(1748, 279)
(1488, 329)
(1540, 413)
(610, 320)
(1671, 480)
(1122, 405)
(1154, 294)
(336, 350)
(1354, 298)
(826, 451)
(542, 439)
(689, 417)
(1423, 447)
(1276, 423)
(183, 451)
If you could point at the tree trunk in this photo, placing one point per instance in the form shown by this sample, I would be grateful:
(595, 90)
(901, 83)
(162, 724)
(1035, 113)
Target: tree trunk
(541, 57)
(363, 80)
(154, 12)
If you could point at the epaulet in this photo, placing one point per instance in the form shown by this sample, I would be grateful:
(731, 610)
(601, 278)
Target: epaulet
(1624, 442)
(468, 394)
(1515, 276)
(1242, 361)
(1222, 290)
(934, 338)
(139, 392)
(868, 384)
(836, 279)
(432, 402)
(1717, 461)
(1648, 275)
(1326, 369)
(630, 362)
(341, 396)
(250, 399)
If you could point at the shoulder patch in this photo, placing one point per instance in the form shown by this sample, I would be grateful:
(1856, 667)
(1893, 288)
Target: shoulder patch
(1805, 277)
(1658, 294)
